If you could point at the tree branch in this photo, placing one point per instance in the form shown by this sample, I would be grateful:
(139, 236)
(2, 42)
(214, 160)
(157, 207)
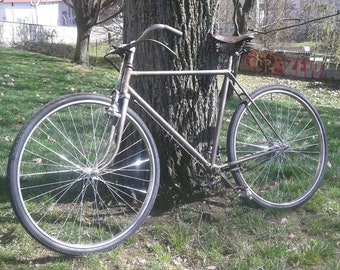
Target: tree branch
(298, 24)
(110, 2)
(69, 3)
(240, 15)
(110, 17)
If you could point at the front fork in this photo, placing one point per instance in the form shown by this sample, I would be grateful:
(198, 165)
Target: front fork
(117, 114)
(118, 110)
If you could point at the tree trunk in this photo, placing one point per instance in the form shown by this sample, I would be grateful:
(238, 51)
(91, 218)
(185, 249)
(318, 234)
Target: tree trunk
(187, 103)
(81, 55)
(87, 14)
(241, 15)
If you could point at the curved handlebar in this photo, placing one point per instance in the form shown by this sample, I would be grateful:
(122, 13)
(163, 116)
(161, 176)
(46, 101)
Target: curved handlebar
(159, 27)
(173, 30)
(144, 34)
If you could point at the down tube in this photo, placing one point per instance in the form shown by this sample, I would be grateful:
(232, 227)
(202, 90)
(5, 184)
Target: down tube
(169, 129)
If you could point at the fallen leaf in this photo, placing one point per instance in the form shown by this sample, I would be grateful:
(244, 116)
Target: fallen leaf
(291, 236)
(50, 138)
(37, 160)
(329, 164)
(284, 221)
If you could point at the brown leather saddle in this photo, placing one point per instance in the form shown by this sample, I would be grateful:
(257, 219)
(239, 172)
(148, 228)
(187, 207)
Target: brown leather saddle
(229, 39)
(235, 43)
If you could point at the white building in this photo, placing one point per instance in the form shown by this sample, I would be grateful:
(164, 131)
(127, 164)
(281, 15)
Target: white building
(42, 12)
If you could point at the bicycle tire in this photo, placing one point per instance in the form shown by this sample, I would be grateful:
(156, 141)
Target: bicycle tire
(64, 194)
(288, 175)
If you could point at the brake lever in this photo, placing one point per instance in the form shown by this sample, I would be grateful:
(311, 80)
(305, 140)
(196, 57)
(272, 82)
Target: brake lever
(163, 45)
(106, 58)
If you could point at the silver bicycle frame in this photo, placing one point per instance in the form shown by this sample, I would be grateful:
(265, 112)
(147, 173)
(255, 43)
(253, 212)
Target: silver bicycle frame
(126, 90)
(169, 129)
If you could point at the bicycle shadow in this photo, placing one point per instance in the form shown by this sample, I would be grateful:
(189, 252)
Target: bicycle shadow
(9, 234)
(3, 190)
(13, 261)
(5, 208)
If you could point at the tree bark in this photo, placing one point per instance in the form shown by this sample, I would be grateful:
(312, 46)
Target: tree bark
(241, 15)
(187, 103)
(81, 55)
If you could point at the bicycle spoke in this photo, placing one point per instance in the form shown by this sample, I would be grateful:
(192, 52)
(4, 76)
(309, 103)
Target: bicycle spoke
(67, 189)
(292, 170)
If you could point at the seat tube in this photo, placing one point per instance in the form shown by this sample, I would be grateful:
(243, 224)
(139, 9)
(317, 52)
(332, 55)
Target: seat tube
(221, 108)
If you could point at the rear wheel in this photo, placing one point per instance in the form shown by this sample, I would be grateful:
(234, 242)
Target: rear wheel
(285, 147)
(65, 189)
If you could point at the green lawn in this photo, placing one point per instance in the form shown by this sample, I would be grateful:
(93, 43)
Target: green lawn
(217, 232)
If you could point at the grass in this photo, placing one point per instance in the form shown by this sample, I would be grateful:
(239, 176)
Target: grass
(30, 80)
(216, 232)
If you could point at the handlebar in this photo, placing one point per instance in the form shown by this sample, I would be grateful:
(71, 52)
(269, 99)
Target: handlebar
(144, 34)
(121, 49)
(159, 27)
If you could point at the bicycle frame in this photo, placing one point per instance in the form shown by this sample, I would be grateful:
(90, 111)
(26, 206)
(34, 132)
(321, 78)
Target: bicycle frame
(126, 91)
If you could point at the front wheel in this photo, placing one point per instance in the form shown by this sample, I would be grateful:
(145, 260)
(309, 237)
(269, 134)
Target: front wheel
(66, 188)
(280, 137)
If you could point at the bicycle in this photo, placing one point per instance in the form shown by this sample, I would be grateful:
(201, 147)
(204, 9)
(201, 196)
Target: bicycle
(83, 173)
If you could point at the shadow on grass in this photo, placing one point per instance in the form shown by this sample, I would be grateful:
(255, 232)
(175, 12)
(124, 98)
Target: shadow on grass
(3, 190)
(330, 119)
(49, 49)
(10, 260)
(12, 245)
